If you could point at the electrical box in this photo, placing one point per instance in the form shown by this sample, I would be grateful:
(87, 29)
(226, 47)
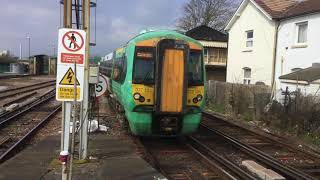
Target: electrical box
(94, 74)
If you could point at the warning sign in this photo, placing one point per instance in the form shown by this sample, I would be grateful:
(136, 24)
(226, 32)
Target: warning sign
(70, 58)
(68, 93)
(71, 47)
(66, 77)
(71, 52)
(72, 41)
(69, 78)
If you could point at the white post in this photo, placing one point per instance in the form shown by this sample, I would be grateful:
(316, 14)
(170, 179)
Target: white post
(65, 135)
(20, 55)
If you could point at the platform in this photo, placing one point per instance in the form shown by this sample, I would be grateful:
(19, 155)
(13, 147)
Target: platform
(111, 158)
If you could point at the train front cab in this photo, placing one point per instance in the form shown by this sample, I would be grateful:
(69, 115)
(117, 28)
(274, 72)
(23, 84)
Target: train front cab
(167, 88)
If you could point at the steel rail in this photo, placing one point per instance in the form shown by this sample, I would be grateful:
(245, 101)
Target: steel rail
(20, 91)
(207, 154)
(14, 76)
(305, 152)
(43, 99)
(7, 154)
(26, 96)
(28, 86)
(287, 171)
(152, 158)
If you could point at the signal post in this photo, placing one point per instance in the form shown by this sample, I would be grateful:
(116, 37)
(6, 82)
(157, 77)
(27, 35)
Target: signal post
(72, 83)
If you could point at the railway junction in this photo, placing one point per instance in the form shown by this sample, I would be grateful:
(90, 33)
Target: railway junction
(142, 112)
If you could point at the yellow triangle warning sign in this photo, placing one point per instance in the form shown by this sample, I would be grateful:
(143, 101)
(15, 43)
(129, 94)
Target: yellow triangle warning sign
(69, 78)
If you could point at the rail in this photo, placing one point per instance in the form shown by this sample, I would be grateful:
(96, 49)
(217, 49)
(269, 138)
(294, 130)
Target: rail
(287, 171)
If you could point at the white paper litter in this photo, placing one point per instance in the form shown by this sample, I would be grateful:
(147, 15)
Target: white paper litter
(93, 126)
(103, 128)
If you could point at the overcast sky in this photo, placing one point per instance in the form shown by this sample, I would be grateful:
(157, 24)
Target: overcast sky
(117, 22)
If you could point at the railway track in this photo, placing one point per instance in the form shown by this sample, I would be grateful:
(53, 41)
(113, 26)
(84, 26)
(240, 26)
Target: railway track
(176, 160)
(20, 90)
(237, 144)
(19, 126)
(8, 76)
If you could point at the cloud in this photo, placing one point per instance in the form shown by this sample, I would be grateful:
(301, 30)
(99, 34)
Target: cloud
(117, 22)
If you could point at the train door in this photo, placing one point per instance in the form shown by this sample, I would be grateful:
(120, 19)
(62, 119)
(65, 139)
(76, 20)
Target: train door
(172, 58)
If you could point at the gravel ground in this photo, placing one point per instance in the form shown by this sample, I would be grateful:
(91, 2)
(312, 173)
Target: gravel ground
(23, 81)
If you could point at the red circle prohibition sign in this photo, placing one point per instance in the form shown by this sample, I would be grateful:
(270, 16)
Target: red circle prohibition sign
(76, 45)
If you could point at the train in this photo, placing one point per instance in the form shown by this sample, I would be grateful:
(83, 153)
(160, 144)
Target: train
(156, 83)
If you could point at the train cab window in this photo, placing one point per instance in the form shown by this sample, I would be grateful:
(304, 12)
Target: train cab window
(195, 68)
(143, 72)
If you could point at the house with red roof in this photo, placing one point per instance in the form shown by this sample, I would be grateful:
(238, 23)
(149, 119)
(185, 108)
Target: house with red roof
(275, 42)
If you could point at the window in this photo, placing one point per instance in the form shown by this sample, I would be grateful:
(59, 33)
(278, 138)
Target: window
(195, 71)
(249, 41)
(143, 72)
(206, 54)
(302, 33)
(246, 75)
(119, 69)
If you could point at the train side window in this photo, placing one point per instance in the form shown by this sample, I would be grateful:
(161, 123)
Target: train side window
(120, 69)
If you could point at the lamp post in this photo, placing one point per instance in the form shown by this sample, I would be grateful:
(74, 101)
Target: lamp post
(29, 39)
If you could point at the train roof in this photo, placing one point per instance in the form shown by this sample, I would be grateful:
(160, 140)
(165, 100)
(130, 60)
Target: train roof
(162, 34)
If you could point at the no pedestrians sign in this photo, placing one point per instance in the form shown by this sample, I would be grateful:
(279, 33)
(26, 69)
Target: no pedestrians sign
(71, 49)
(71, 46)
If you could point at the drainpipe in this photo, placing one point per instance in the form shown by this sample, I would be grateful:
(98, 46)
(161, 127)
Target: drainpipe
(273, 78)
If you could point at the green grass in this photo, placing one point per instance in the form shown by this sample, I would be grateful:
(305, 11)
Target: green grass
(310, 138)
(247, 116)
(219, 108)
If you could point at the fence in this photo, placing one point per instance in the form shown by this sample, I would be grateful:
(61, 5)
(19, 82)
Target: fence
(298, 114)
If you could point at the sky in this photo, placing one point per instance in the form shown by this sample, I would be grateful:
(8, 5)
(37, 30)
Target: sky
(117, 22)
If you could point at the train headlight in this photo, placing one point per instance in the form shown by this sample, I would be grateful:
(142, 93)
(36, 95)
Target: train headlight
(199, 97)
(142, 99)
(136, 96)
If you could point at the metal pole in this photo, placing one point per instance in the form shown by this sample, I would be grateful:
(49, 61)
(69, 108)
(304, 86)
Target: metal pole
(29, 38)
(83, 147)
(74, 119)
(20, 57)
(66, 106)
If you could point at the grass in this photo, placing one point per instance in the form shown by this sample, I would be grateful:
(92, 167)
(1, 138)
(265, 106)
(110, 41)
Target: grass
(247, 116)
(219, 108)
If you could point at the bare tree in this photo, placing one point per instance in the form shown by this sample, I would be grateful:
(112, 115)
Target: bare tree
(212, 13)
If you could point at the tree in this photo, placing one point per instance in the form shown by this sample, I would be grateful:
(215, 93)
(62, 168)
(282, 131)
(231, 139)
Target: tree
(212, 13)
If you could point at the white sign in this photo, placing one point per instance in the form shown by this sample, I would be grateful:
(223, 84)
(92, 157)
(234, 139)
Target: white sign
(101, 87)
(71, 48)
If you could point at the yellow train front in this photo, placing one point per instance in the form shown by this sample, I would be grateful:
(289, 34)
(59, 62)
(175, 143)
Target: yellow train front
(157, 82)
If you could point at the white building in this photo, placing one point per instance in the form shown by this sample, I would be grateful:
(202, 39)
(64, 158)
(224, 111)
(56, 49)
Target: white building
(272, 38)
(298, 49)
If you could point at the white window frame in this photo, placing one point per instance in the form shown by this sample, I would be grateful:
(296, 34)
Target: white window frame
(249, 39)
(207, 49)
(297, 27)
(247, 80)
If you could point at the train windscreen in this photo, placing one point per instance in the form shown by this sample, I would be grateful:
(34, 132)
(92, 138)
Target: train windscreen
(143, 72)
(195, 69)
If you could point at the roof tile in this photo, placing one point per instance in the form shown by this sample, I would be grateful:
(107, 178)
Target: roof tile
(279, 9)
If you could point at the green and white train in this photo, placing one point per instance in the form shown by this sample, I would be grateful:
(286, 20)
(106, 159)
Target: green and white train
(157, 83)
